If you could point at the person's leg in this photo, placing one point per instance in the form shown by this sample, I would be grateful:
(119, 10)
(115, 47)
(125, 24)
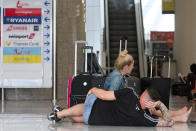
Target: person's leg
(178, 112)
(79, 112)
(182, 117)
(172, 113)
(75, 110)
(78, 119)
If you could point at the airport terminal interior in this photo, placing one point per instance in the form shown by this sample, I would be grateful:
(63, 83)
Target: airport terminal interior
(39, 57)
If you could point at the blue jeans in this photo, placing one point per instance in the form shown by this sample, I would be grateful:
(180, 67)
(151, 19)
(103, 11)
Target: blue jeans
(88, 107)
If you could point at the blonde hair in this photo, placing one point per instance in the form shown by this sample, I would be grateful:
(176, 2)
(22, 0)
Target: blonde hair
(123, 59)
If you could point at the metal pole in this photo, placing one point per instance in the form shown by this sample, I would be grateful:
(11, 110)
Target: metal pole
(169, 69)
(120, 46)
(125, 44)
(151, 66)
(54, 52)
(107, 34)
(2, 98)
(86, 70)
(156, 66)
(75, 59)
(2, 92)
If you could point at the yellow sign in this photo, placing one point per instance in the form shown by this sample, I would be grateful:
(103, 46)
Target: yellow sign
(22, 59)
(168, 6)
(8, 43)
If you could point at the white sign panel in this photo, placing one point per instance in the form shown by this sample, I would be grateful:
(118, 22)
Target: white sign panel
(26, 44)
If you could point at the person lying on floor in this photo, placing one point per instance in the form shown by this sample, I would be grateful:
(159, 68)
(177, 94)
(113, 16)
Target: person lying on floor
(121, 108)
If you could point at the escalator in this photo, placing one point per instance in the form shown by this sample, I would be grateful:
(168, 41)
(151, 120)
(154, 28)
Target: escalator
(122, 22)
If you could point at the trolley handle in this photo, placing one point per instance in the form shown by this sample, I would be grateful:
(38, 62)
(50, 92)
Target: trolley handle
(169, 65)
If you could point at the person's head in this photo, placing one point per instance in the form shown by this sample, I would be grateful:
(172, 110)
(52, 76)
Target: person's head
(124, 62)
(150, 94)
(193, 68)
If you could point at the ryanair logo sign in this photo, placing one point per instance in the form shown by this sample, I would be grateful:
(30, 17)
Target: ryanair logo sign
(22, 20)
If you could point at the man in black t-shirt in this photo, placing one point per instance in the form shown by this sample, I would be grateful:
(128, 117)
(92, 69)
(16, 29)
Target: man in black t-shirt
(124, 111)
(120, 108)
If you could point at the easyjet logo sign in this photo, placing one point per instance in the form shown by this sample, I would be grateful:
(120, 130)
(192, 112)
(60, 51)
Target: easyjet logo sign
(16, 28)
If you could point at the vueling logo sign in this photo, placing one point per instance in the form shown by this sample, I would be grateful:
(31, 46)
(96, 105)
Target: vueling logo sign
(21, 4)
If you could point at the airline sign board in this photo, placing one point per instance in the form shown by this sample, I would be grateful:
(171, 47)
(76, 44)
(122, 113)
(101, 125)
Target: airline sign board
(26, 42)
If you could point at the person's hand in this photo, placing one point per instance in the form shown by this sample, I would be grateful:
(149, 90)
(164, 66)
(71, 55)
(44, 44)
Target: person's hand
(151, 110)
(90, 91)
(157, 103)
(151, 105)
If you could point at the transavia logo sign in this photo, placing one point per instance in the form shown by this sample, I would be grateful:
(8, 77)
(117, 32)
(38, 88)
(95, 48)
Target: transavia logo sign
(20, 4)
(31, 36)
(17, 28)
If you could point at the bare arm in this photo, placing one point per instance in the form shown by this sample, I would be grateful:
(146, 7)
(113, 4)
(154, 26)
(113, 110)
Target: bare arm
(102, 94)
(165, 120)
(155, 112)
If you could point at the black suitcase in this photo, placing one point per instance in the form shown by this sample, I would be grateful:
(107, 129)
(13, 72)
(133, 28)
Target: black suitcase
(80, 86)
(98, 81)
(81, 83)
(161, 84)
(135, 83)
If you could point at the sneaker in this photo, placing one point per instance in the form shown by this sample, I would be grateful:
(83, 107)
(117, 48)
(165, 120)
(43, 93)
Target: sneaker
(53, 116)
(57, 109)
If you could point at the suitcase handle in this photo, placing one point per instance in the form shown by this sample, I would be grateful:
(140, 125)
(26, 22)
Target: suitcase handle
(123, 38)
(76, 47)
(86, 48)
(84, 73)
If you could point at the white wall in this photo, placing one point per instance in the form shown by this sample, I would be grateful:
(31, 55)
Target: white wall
(95, 25)
(153, 18)
(185, 39)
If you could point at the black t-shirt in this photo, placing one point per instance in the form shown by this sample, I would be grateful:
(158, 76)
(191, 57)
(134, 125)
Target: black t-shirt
(124, 111)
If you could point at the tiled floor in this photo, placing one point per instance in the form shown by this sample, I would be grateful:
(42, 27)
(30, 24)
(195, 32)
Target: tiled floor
(32, 116)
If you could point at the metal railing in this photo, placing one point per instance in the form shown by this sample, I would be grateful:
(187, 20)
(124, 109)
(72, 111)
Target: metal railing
(107, 34)
(158, 56)
(140, 39)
